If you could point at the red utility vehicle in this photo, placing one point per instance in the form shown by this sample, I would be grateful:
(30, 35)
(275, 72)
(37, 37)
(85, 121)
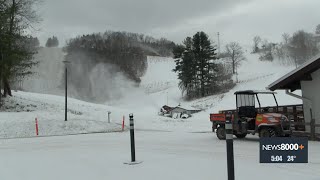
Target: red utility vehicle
(247, 119)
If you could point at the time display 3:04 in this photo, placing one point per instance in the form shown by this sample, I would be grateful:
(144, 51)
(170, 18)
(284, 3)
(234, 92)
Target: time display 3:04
(280, 158)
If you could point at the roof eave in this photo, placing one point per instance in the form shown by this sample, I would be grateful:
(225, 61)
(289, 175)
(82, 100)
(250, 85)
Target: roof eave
(292, 79)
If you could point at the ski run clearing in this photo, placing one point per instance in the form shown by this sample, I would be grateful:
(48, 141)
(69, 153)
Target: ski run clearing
(88, 147)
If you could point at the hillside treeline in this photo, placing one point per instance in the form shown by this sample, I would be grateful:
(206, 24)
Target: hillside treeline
(294, 48)
(126, 50)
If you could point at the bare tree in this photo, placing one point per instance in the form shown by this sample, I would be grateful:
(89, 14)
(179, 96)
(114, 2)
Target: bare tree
(286, 38)
(234, 53)
(318, 29)
(256, 42)
(266, 50)
(302, 46)
(279, 51)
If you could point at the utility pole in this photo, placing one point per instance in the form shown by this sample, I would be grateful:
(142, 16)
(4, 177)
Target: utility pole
(66, 100)
(1, 76)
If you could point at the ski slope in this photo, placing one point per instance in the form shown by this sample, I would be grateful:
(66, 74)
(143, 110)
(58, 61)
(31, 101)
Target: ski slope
(168, 148)
(159, 86)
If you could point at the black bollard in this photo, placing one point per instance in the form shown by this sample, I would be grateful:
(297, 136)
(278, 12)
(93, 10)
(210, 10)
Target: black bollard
(133, 151)
(229, 141)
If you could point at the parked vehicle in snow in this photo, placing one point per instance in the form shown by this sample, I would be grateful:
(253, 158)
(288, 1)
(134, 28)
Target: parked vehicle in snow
(247, 119)
(178, 111)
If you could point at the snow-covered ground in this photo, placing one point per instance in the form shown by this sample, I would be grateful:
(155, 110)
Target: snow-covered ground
(169, 148)
(165, 155)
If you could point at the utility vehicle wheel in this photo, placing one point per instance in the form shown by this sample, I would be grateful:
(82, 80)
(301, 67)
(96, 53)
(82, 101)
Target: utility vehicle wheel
(221, 133)
(267, 132)
(240, 136)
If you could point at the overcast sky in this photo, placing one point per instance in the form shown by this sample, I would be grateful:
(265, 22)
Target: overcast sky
(236, 20)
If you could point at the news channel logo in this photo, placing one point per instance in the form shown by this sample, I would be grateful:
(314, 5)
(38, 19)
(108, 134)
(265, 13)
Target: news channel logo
(284, 150)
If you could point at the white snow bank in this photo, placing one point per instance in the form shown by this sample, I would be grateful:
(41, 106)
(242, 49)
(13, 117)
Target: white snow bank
(83, 117)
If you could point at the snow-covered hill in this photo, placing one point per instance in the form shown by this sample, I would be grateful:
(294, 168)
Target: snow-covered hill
(170, 145)
(159, 86)
(160, 82)
(24, 107)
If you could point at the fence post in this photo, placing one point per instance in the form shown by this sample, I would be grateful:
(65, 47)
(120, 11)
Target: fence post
(294, 112)
(312, 126)
(229, 142)
(37, 129)
(109, 116)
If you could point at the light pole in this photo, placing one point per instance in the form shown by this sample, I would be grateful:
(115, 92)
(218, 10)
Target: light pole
(218, 44)
(66, 87)
(167, 99)
(1, 58)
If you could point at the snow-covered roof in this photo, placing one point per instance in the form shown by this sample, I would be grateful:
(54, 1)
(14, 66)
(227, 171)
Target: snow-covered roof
(186, 107)
(293, 78)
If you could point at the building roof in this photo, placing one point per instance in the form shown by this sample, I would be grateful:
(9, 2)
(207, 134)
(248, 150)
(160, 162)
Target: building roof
(255, 92)
(302, 73)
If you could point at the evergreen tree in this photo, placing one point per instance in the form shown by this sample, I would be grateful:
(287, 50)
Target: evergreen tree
(55, 42)
(49, 42)
(195, 66)
(178, 50)
(185, 66)
(205, 67)
(15, 50)
(52, 42)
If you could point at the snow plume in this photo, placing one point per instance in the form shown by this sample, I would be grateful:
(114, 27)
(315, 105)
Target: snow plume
(47, 74)
(111, 87)
(100, 82)
(88, 79)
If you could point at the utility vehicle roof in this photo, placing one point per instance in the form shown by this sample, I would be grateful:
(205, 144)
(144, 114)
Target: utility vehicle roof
(255, 92)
